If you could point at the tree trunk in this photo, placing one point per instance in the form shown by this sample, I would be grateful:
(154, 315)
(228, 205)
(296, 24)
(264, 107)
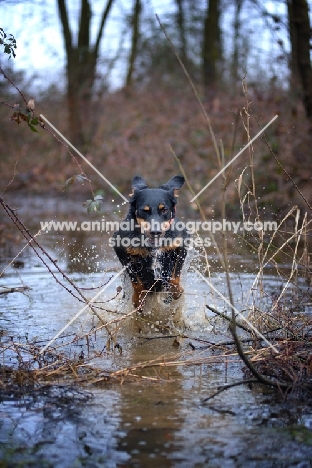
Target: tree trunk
(300, 34)
(181, 30)
(236, 40)
(81, 67)
(135, 39)
(211, 49)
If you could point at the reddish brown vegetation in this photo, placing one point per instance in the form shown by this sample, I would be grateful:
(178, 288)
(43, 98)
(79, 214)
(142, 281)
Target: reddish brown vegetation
(130, 132)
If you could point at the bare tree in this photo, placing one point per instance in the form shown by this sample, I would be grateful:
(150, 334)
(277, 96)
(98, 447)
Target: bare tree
(300, 35)
(212, 48)
(135, 40)
(236, 39)
(181, 29)
(82, 59)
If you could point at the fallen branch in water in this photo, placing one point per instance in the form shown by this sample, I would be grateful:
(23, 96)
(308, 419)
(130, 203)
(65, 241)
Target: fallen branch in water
(12, 290)
(231, 385)
(261, 378)
(226, 317)
(295, 375)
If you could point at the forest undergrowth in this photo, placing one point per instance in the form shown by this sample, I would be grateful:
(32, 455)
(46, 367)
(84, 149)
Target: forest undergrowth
(132, 130)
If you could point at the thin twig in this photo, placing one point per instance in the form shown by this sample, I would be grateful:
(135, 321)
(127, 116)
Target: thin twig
(228, 386)
(226, 317)
(14, 86)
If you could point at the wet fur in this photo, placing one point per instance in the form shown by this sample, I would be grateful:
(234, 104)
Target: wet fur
(149, 205)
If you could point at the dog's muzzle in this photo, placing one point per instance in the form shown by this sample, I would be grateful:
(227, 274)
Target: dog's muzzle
(154, 231)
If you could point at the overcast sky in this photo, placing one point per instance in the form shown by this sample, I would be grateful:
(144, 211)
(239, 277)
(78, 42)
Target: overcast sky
(40, 49)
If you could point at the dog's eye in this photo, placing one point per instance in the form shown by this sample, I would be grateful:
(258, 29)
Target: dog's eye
(162, 208)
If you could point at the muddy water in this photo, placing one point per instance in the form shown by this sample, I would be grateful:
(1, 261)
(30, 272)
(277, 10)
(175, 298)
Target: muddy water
(165, 423)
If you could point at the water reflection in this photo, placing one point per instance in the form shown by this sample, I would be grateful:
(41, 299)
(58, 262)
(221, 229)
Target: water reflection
(65, 429)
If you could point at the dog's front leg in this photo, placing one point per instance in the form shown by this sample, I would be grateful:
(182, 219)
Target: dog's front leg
(137, 296)
(174, 288)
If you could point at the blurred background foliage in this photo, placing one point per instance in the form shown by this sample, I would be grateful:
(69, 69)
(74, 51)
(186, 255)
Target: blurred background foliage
(106, 76)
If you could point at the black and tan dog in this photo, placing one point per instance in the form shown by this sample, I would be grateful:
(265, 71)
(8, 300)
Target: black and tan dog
(152, 244)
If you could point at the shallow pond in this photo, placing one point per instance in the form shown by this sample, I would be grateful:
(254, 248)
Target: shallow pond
(160, 418)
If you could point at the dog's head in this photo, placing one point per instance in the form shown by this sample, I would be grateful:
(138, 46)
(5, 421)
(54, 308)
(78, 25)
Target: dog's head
(154, 208)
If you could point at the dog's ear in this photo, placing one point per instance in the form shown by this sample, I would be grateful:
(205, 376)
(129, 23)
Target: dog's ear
(174, 184)
(137, 183)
